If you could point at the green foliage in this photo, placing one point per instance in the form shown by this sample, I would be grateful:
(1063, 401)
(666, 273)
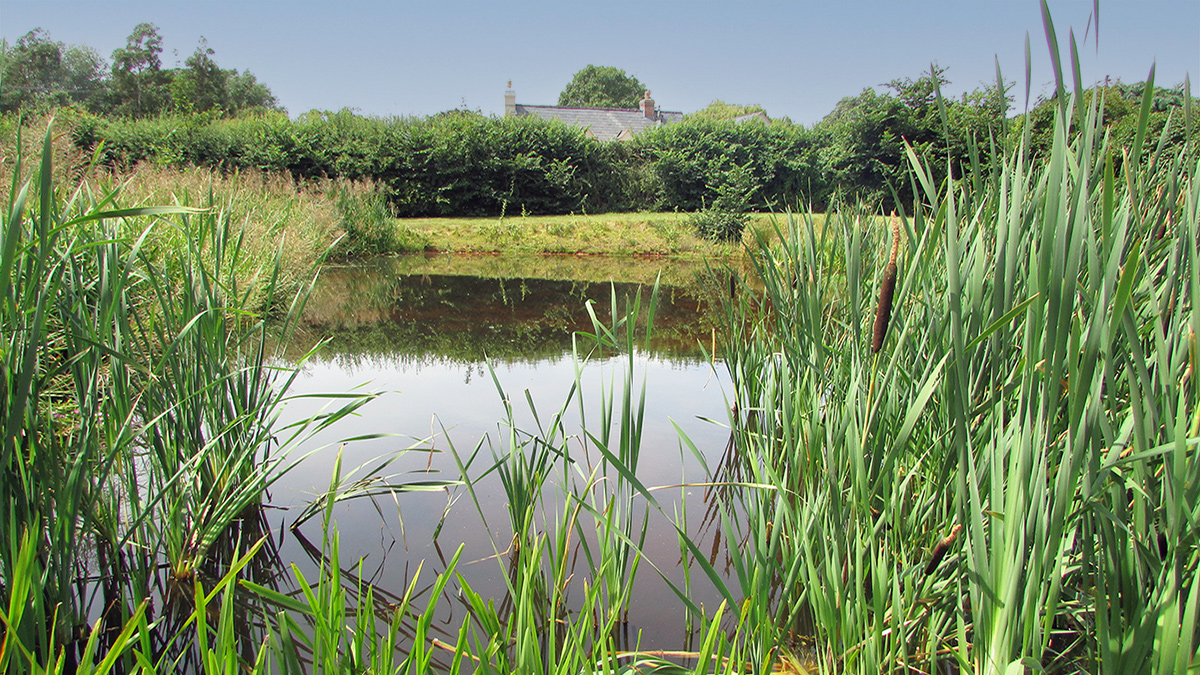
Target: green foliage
(727, 215)
(862, 144)
(445, 165)
(1011, 483)
(720, 110)
(245, 94)
(39, 74)
(140, 87)
(863, 141)
(470, 165)
(369, 226)
(602, 87)
(689, 160)
(201, 85)
(1120, 115)
(139, 407)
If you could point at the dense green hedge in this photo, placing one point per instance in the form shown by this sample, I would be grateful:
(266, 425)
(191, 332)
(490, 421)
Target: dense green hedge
(468, 165)
(465, 164)
(691, 161)
(455, 164)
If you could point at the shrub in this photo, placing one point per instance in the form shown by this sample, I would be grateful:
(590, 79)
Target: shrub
(725, 219)
(689, 160)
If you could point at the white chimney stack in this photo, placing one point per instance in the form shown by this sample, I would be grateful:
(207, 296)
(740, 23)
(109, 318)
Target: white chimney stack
(510, 101)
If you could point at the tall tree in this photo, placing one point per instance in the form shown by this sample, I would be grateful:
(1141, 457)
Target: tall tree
(140, 86)
(602, 87)
(246, 93)
(40, 73)
(201, 85)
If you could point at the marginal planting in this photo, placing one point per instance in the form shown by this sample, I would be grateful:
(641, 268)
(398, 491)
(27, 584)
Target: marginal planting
(1009, 480)
(139, 407)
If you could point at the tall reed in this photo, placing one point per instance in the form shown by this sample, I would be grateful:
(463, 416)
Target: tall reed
(1011, 481)
(139, 406)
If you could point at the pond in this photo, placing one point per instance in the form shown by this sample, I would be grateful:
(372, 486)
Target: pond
(440, 338)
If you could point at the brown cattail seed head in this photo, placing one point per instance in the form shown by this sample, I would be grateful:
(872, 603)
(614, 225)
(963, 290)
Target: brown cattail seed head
(883, 311)
(940, 550)
(1164, 228)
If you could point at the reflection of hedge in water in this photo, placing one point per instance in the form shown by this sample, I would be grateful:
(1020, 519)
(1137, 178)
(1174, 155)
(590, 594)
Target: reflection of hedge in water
(587, 268)
(367, 316)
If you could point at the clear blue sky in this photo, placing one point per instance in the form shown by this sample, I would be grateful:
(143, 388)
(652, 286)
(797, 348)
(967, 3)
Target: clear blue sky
(794, 58)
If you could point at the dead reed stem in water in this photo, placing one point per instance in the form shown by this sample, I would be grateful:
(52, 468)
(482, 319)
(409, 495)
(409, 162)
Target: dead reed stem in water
(883, 312)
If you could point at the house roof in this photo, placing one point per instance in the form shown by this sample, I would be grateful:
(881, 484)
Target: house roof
(605, 124)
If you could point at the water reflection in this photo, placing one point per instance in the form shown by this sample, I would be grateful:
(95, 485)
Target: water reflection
(371, 312)
(431, 341)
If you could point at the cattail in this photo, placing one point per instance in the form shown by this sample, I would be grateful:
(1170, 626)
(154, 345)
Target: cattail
(939, 551)
(1164, 228)
(883, 312)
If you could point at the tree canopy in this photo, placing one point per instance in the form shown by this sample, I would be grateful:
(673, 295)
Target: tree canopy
(720, 110)
(863, 139)
(39, 74)
(602, 87)
(139, 85)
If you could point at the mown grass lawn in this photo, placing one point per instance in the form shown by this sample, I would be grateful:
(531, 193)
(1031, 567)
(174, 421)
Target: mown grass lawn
(621, 234)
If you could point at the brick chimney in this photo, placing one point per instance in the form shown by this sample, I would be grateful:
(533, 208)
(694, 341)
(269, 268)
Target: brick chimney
(647, 105)
(510, 101)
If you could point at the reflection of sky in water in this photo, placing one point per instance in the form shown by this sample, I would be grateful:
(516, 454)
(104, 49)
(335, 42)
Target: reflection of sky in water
(420, 398)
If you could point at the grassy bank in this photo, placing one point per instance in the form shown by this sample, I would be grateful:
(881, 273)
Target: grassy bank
(296, 226)
(613, 234)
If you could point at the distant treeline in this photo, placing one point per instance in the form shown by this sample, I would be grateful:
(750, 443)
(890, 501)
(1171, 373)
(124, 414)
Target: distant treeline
(38, 74)
(462, 163)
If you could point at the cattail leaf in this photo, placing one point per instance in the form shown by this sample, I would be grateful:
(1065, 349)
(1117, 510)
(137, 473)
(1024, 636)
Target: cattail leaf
(1055, 59)
(1078, 81)
(1002, 321)
(921, 173)
(1028, 74)
(1187, 109)
(1129, 274)
(928, 386)
(1139, 137)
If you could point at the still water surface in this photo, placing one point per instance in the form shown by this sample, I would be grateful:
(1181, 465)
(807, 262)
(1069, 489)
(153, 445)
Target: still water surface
(430, 340)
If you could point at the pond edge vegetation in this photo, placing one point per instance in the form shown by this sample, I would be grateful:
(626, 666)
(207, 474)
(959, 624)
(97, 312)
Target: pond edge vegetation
(1006, 480)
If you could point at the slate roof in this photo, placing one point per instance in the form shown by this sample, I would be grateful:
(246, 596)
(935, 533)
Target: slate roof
(605, 124)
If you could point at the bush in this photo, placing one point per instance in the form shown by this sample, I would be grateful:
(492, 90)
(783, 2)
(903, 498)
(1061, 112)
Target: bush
(689, 160)
(725, 219)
